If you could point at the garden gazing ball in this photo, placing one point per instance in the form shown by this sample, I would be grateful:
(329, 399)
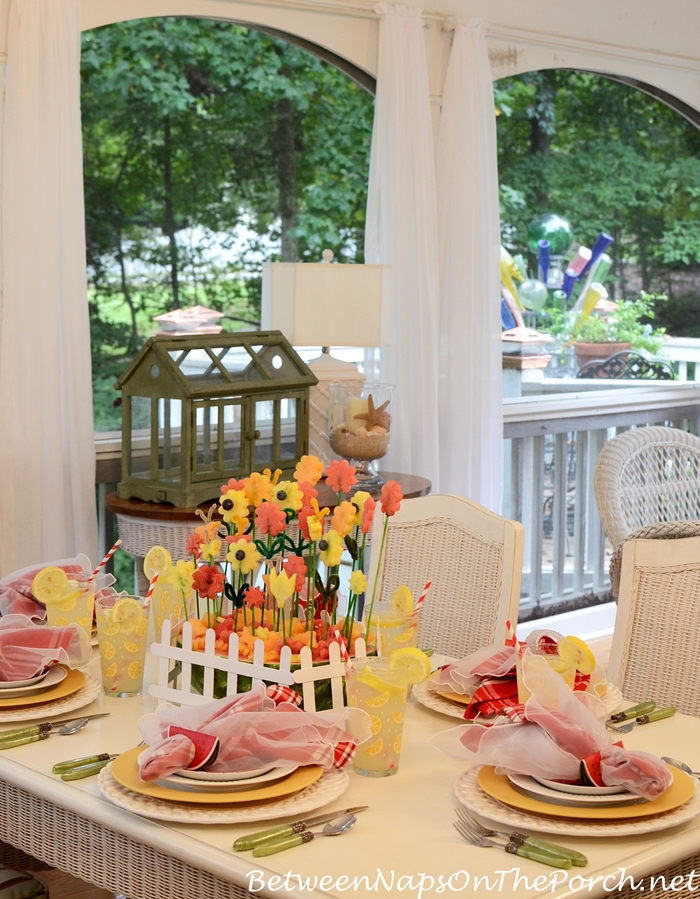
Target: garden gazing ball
(555, 229)
(533, 294)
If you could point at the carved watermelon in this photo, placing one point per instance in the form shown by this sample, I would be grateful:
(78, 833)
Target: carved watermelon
(590, 769)
(206, 747)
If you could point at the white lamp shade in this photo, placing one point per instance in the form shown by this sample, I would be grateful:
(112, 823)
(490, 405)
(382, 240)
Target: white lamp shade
(327, 304)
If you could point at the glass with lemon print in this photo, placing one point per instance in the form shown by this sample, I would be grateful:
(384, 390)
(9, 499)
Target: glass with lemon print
(74, 605)
(122, 630)
(392, 623)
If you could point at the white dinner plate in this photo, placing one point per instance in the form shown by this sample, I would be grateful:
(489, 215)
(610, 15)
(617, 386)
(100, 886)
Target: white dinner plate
(47, 680)
(185, 783)
(224, 776)
(16, 684)
(579, 788)
(529, 786)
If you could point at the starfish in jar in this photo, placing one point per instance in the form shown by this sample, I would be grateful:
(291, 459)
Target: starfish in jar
(375, 416)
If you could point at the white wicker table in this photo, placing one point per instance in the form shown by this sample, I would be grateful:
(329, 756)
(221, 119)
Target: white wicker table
(407, 830)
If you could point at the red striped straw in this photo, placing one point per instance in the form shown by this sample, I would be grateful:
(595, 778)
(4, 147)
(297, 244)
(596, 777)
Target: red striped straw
(511, 639)
(421, 599)
(105, 560)
(152, 586)
(344, 654)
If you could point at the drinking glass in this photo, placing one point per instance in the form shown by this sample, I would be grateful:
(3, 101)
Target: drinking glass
(122, 630)
(74, 607)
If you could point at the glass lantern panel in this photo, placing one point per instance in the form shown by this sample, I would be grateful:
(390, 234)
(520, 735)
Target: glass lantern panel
(140, 436)
(169, 431)
(288, 429)
(263, 453)
(232, 424)
(278, 362)
(206, 426)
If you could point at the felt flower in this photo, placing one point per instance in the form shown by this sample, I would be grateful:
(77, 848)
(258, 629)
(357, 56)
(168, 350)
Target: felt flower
(287, 495)
(296, 565)
(368, 515)
(192, 545)
(303, 515)
(208, 530)
(391, 497)
(309, 492)
(309, 469)
(258, 488)
(331, 547)
(314, 522)
(343, 518)
(208, 581)
(211, 550)
(358, 582)
(270, 519)
(340, 475)
(281, 586)
(243, 556)
(232, 484)
(358, 500)
(234, 504)
(254, 597)
(180, 576)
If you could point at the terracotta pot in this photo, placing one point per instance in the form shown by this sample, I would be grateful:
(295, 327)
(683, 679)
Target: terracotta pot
(587, 352)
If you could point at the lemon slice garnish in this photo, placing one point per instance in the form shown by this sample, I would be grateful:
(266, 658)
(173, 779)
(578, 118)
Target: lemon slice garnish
(50, 584)
(157, 562)
(402, 601)
(576, 655)
(409, 664)
(125, 609)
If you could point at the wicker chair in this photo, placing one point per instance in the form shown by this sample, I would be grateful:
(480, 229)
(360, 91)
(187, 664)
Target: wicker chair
(654, 648)
(473, 558)
(646, 476)
(665, 530)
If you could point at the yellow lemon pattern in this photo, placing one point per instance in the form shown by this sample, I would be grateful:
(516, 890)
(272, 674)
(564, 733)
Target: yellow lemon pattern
(375, 748)
(379, 701)
(68, 604)
(397, 744)
(61, 621)
(132, 647)
(112, 670)
(111, 631)
(405, 638)
(375, 724)
(398, 717)
(84, 622)
(134, 669)
(352, 702)
(107, 649)
(142, 627)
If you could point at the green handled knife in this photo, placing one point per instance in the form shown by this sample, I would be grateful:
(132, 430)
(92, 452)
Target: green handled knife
(88, 770)
(576, 858)
(62, 767)
(657, 715)
(642, 708)
(538, 855)
(290, 830)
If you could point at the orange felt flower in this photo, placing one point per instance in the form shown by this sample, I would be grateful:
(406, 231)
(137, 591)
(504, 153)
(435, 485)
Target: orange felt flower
(258, 488)
(296, 565)
(391, 497)
(368, 514)
(270, 519)
(254, 597)
(309, 469)
(343, 518)
(208, 531)
(340, 475)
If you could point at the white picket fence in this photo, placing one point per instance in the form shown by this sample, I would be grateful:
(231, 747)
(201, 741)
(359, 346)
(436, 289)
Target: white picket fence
(179, 690)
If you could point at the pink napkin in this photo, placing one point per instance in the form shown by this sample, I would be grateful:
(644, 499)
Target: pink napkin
(16, 597)
(261, 727)
(27, 648)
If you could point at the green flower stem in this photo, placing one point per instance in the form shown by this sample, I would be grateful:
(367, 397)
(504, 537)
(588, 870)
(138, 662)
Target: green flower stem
(379, 570)
(184, 605)
(284, 635)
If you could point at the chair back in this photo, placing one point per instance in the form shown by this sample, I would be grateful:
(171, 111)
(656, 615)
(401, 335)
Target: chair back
(654, 651)
(473, 558)
(627, 365)
(645, 476)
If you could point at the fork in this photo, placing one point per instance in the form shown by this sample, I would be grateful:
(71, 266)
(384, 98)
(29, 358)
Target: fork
(520, 839)
(535, 855)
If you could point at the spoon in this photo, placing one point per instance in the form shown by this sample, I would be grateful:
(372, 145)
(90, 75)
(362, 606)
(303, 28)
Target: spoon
(681, 765)
(21, 739)
(330, 830)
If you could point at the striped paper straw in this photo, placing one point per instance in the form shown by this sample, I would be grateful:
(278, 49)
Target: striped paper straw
(344, 654)
(152, 585)
(104, 561)
(511, 639)
(421, 599)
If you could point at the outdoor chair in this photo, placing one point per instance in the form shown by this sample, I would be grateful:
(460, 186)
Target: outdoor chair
(473, 558)
(631, 366)
(654, 652)
(646, 476)
(665, 530)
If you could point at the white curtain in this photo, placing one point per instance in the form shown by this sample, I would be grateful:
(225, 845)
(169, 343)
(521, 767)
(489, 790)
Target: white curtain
(47, 457)
(471, 419)
(402, 230)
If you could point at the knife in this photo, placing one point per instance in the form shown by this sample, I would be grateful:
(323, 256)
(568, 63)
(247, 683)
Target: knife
(36, 729)
(643, 708)
(658, 715)
(288, 830)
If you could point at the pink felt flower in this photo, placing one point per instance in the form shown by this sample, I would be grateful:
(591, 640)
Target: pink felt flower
(309, 492)
(296, 565)
(270, 519)
(391, 497)
(208, 581)
(232, 484)
(368, 514)
(340, 475)
(192, 546)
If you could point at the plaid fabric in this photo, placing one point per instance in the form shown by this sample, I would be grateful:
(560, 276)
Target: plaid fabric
(279, 693)
(493, 695)
(343, 753)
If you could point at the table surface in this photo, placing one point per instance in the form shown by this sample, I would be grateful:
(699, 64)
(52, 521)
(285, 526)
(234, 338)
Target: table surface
(406, 833)
(412, 486)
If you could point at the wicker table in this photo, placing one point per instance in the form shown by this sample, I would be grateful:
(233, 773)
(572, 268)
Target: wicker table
(145, 524)
(407, 830)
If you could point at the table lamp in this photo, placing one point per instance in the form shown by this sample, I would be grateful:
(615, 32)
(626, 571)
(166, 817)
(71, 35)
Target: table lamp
(326, 304)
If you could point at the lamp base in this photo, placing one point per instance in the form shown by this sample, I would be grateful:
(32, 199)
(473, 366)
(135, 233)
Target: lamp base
(327, 369)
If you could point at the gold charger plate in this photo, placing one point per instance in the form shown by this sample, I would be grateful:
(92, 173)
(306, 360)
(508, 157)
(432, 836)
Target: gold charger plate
(498, 787)
(461, 698)
(125, 770)
(72, 682)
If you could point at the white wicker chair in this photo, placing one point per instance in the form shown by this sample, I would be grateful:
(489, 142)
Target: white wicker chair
(645, 476)
(473, 558)
(655, 645)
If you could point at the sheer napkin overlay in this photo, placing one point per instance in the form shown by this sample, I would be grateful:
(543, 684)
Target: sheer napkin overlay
(16, 597)
(254, 729)
(560, 729)
(27, 648)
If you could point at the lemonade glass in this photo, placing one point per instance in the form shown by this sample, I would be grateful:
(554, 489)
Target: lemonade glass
(372, 687)
(166, 603)
(74, 606)
(394, 629)
(122, 629)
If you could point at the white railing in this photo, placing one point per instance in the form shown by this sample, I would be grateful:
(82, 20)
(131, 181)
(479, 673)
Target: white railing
(684, 352)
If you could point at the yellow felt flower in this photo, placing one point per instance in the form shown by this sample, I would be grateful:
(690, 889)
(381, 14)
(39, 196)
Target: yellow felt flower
(180, 576)
(358, 582)
(309, 470)
(233, 505)
(287, 495)
(331, 546)
(257, 488)
(210, 550)
(315, 521)
(243, 556)
(343, 519)
(358, 500)
(281, 586)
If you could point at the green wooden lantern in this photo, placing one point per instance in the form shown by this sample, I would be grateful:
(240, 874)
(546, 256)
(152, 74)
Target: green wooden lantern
(203, 408)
